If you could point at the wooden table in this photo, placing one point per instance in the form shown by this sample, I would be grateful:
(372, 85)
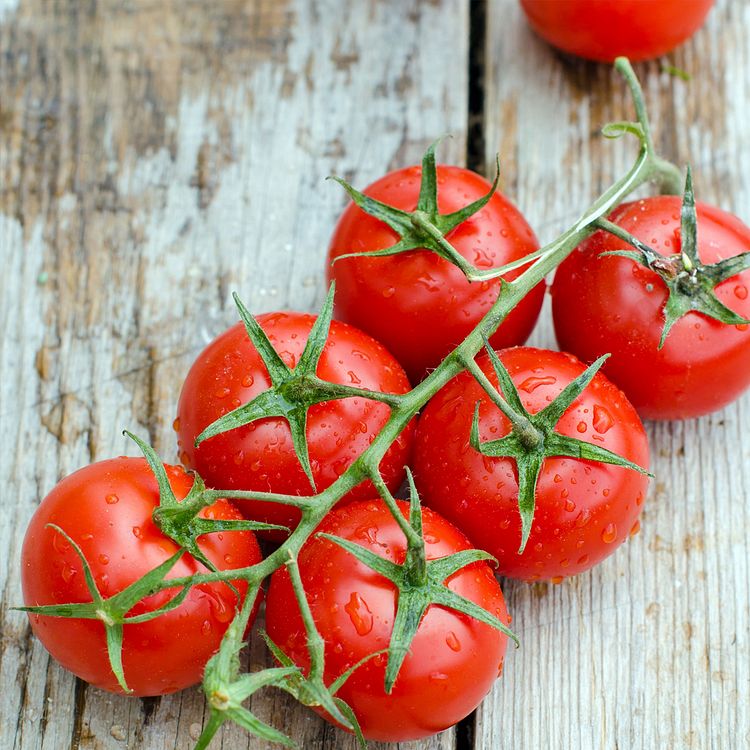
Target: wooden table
(155, 156)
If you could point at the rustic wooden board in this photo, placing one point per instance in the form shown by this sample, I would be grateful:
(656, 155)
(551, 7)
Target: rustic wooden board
(652, 648)
(154, 157)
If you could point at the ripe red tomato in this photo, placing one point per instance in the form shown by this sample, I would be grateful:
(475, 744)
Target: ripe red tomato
(105, 508)
(616, 305)
(584, 509)
(418, 305)
(605, 29)
(453, 659)
(260, 456)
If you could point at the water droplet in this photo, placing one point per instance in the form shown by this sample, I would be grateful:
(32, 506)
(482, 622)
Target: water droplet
(389, 291)
(609, 533)
(582, 427)
(438, 677)
(558, 579)
(359, 613)
(222, 392)
(583, 560)
(636, 527)
(60, 543)
(741, 327)
(176, 425)
(603, 420)
(570, 506)
(557, 478)
(531, 384)
(453, 643)
(605, 492)
(538, 546)
(431, 538)
(206, 627)
(137, 532)
(228, 559)
(504, 523)
(639, 499)
(68, 572)
(112, 499)
(338, 648)
(353, 377)
(247, 380)
(185, 459)
(583, 518)
(104, 559)
(564, 563)
(740, 291)
(565, 492)
(239, 457)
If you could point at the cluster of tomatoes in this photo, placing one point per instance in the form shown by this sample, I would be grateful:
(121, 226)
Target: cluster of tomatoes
(528, 455)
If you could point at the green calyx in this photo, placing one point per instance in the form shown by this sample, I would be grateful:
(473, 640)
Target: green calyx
(533, 438)
(424, 228)
(292, 391)
(112, 612)
(420, 583)
(691, 284)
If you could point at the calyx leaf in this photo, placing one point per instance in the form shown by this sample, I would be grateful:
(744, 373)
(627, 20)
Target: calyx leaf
(547, 443)
(690, 282)
(293, 390)
(425, 228)
(420, 583)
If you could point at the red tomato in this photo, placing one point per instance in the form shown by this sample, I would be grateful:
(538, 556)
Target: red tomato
(260, 456)
(616, 305)
(105, 508)
(584, 509)
(453, 659)
(605, 29)
(417, 304)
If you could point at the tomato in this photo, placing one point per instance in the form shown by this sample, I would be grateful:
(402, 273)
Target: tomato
(616, 305)
(105, 508)
(453, 659)
(260, 456)
(605, 29)
(418, 305)
(584, 509)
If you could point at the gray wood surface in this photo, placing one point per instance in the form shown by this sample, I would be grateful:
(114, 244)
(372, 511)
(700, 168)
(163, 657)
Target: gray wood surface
(156, 156)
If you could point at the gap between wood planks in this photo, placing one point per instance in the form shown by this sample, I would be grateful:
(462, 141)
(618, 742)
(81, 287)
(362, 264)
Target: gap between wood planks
(475, 160)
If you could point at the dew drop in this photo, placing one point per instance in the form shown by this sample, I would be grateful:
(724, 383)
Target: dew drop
(582, 427)
(431, 538)
(557, 478)
(185, 459)
(206, 627)
(104, 559)
(389, 291)
(603, 420)
(439, 678)
(583, 518)
(137, 532)
(741, 327)
(609, 533)
(565, 492)
(531, 384)
(176, 425)
(636, 527)
(740, 291)
(639, 499)
(248, 380)
(564, 563)
(453, 643)
(504, 523)
(558, 579)
(583, 560)
(68, 572)
(228, 559)
(359, 613)
(570, 506)
(112, 499)
(222, 392)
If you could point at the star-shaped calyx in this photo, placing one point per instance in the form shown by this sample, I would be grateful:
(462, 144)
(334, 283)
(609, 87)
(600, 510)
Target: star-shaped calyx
(293, 390)
(691, 284)
(425, 228)
(420, 583)
(533, 438)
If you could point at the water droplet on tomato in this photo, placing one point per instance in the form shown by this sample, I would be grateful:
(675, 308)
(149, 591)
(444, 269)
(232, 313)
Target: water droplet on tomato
(583, 518)
(504, 523)
(359, 613)
(112, 499)
(438, 677)
(338, 648)
(609, 533)
(431, 538)
(582, 427)
(557, 478)
(176, 425)
(583, 560)
(564, 563)
(239, 457)
(453, 643)
(220, 610)
(636, 527)
(558, 579)
(564, 493)
(741, 327)
(639, 499)
(206, 627)
(570, 506)
(740, 291)
(222, 392)
(68, 572)
(531, 384)
(185, 459)
(389, 291)
(603, 420)
(104, 559)
(228, 559)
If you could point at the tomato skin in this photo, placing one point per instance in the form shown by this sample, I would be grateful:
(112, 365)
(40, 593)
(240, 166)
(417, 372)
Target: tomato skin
(616, 305)
(106, 509)
(260, 456)
(418, 305)
(584, 509)
(453, 659)
(603, 30)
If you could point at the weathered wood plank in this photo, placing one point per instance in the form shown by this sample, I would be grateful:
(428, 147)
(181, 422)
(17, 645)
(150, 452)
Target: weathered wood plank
(154, 157)
(651, 649)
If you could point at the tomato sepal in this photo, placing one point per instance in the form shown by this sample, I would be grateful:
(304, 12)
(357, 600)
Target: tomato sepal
(691, 283)
(420, 584)
(533, 438)
(425, 228)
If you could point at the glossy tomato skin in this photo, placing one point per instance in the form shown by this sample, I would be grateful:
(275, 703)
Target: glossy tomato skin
(105, 508)
(603, 30)
(417, 304)
(260, 456)
(584, 509)
(616, 305)
(453, 659)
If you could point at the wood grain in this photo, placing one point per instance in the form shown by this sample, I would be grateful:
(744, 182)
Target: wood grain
(652, 648)
(154, 157)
